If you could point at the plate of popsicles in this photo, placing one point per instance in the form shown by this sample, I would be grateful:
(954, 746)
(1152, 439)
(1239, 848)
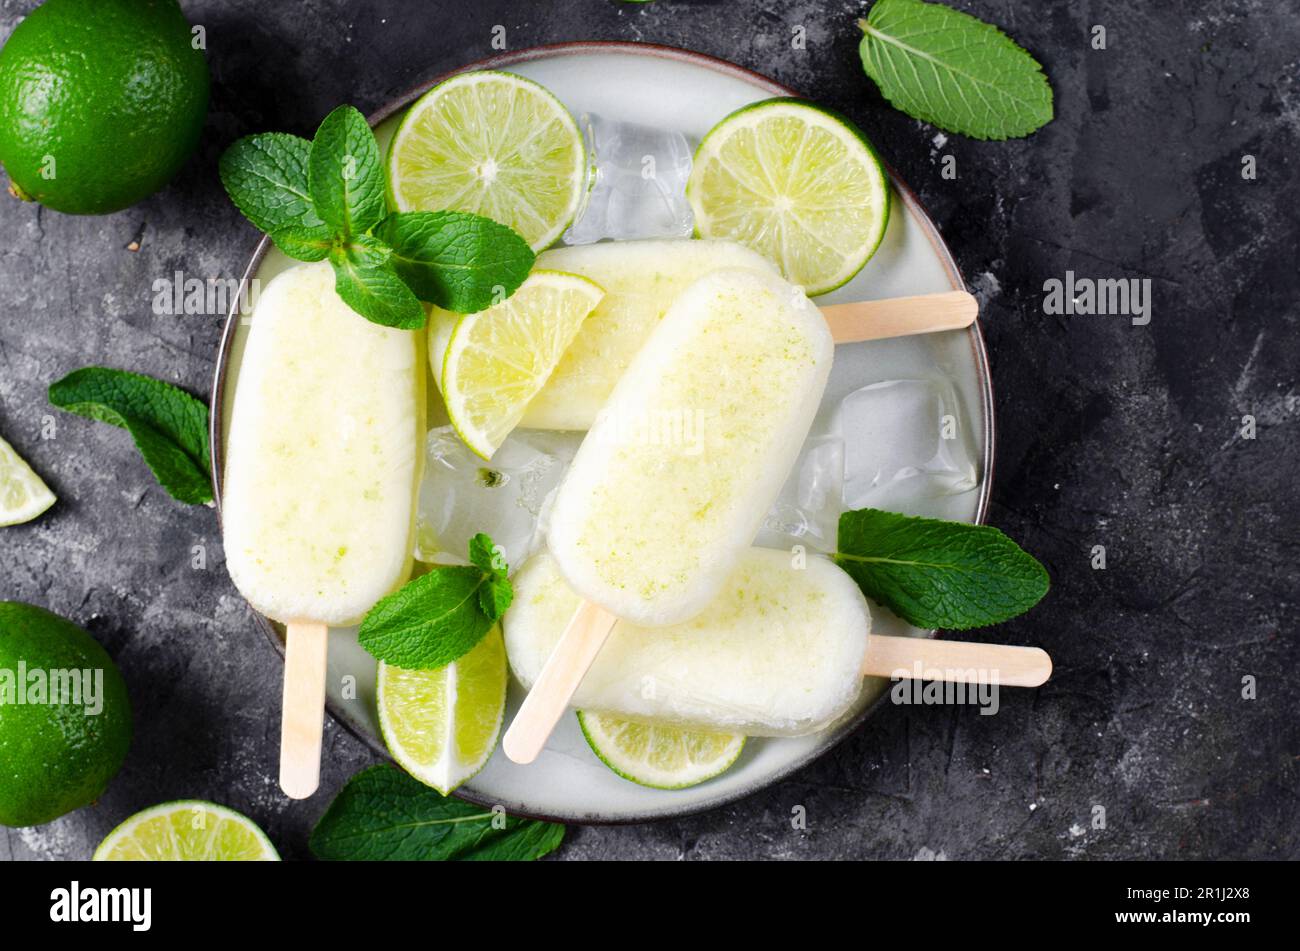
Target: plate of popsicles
(668, 574)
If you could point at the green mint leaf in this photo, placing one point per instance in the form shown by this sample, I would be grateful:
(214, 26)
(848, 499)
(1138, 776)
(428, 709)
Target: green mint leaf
(442, 615)
(170, 427)
(937, 574)
(366, 280)
(347, 180)
(461, 262)
(305, 244)
(947, 68)
(382, 814)
(266, 177)
(495, 596)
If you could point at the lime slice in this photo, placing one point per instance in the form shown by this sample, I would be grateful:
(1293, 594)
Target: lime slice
(189, 830)
(494, 144)
(796, 182)
(23, 495)
(490, 364)
(441, 725)
(664, 757)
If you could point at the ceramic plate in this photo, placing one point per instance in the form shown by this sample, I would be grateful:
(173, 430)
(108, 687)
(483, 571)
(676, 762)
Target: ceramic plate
(689, 92)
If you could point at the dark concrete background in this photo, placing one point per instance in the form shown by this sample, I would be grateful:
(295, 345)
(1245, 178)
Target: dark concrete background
(1108, 434)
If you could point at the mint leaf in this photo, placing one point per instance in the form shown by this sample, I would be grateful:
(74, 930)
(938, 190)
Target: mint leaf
(461, 262)
(266, 177)
(305, 244)
(938, 574)
(366, 280)
(947, 68)
(347, 180)
(170, 427)
(383, 815)
(442, 615)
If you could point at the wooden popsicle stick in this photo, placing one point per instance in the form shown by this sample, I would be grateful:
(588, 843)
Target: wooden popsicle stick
(900, 316)
(302, 718)
(549, 697)
(956, 661)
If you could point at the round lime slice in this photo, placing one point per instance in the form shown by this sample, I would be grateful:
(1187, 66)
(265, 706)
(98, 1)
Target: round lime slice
(663, 757)
(494, 144)
(796, 182)
(189, 830)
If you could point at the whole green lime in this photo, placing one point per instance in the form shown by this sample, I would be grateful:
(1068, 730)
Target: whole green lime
(55, 756)
(101, 102)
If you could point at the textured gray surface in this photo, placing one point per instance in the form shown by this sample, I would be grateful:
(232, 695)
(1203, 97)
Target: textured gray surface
(1109, 434)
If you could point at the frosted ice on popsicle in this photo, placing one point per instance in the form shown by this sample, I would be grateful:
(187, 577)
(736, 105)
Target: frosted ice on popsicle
(674, 478)
(323, 454)
(779, 651)
(641, 280)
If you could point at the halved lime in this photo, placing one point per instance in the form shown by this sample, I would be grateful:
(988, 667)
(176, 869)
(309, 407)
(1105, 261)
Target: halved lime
(490, 364)
(23, 495)
(663, 757)
(189, 830)
(441, 725)
(494, 144)
(796, 182)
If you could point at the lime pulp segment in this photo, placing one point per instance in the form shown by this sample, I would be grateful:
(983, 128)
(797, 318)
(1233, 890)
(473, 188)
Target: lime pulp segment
(187, 831)
(657, 755)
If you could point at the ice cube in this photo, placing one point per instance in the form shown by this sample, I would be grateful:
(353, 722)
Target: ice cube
(908, 442)
(808, 509)
(462, 494)
(638, 183)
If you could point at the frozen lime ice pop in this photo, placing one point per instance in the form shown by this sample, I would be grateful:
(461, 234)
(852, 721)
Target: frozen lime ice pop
(673, 479)
(779, 650)
(676, 474)
(321, 472)
(642, 279)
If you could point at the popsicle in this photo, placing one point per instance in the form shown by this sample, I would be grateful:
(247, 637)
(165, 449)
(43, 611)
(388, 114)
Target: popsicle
(672, 481)
(781, 651)
(322, 466)
(642, 279)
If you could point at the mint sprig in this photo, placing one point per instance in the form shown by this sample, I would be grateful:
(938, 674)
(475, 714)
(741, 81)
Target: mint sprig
(440, 616)
(383, 815)
(937, 574)
(954, 71)
(168, 425)
(324, 200)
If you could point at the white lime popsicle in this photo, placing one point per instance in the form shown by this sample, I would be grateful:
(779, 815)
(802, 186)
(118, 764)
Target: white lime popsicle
(778, 652)
(673, 479)
(641, 279)
(323, 455)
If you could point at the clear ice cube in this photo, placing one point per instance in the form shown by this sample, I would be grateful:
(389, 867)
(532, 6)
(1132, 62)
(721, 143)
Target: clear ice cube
(807, 511)
(638, 186)
(907, 441)
(462, 494)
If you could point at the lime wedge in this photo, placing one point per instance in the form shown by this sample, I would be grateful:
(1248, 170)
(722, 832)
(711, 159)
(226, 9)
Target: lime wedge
(188, 830)
(23, 495)
(796, 182)
(664, 757)
(494, 144)
(490, 364)
(441, 725)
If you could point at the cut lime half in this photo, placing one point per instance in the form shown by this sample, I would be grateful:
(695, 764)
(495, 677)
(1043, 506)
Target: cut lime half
(663, 757)
(441, 725)
(796, 182)
(23, 495)
(494, 144)
(189, 830)
(489, 365)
